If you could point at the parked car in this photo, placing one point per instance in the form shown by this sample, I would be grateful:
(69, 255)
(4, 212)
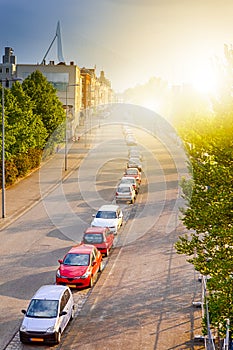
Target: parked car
(109, 215)
(130, 140)
(125, 192)
(134, 172)
(48, 313)
(101, 237)
(130, 180)
(134, 162)
(80, 266)
(135, 153)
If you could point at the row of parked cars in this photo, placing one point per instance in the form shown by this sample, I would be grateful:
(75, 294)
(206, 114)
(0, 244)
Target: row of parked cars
(52, 306)
(129, 184)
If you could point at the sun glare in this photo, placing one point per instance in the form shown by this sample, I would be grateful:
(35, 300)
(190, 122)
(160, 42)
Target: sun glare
(204, 80)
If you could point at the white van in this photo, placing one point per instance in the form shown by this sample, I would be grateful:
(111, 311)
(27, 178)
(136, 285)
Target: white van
(48, 313)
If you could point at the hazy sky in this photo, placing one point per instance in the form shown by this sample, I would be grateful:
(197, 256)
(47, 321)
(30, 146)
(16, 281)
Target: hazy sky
(131, 40)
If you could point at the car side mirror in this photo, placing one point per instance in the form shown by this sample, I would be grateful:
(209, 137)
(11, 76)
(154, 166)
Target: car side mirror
(93, 215)
(60, 261)
(63, 313)
(23, 311)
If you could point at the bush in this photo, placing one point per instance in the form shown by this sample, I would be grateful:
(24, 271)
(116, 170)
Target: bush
(11, 173)
(22, 163)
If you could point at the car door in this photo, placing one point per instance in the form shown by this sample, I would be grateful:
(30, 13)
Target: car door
(119, 215)
(109, 239)
(94, 262)
(65, 306)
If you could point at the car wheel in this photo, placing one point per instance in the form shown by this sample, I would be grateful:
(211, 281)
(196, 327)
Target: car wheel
(58, 337)
(91, 282)
(22, 341)
(101, 267)
(72, 314)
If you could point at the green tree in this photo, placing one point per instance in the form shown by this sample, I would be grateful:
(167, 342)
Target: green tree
(24, 129)
(209, 212)
(46, 104)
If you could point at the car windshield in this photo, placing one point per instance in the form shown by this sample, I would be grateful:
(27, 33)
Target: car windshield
(76, 259)
(106, 215)
(42, 308)
(93, 238)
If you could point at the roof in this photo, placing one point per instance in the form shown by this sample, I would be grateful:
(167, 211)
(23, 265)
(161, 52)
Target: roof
(108, 207)
(96, 229)
(124, 185)
(52, 291)
(81, 249)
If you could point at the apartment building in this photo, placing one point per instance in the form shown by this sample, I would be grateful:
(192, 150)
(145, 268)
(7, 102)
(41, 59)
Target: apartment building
(78, 89)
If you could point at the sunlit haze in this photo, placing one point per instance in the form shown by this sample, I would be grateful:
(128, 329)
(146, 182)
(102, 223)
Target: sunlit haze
(131, 41)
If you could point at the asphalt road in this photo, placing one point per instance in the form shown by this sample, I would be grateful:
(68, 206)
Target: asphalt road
(143, 298)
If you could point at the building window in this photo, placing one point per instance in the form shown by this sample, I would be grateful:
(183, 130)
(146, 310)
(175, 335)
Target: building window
(7, 70)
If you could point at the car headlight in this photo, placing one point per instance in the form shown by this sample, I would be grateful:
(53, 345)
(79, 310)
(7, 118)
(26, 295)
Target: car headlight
(23, 328)
(86, 275)
(58, 274)
(50, 329)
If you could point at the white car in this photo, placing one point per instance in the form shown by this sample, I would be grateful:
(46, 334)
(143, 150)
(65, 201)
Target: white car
(108, 216)
(49, 311)
(125, 192)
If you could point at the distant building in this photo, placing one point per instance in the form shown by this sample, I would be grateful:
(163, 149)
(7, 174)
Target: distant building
(8, 67)
(106, 92)
(78, 89)
(67, 81)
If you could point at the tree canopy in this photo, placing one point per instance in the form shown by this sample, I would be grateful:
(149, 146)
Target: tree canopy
(33, 117)
(209, 213)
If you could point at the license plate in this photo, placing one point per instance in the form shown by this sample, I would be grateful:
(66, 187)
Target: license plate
(37, 339)
(71, 285)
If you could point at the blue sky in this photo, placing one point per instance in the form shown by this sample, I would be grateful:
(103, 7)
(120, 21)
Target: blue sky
(131, 40)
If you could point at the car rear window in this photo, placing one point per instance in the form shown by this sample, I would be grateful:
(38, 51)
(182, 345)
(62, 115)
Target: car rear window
(132, 172)
(93, 238)
(129, 180)
(124, 189)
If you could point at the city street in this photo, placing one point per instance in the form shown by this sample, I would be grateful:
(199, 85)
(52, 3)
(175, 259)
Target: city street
(143, 298)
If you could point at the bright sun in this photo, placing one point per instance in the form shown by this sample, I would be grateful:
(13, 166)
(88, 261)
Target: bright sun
(204, 79)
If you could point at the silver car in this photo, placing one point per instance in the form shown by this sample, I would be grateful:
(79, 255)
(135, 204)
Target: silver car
(130, 180)
(125, 192)
(47, 315)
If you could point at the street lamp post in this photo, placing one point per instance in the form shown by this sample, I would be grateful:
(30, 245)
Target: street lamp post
(66, 136)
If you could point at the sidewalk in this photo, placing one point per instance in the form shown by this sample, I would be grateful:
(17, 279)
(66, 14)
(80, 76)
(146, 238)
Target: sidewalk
(23, 195)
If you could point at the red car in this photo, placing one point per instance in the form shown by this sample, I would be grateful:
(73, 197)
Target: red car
(133, 172)
(80, 266)
(101, 237)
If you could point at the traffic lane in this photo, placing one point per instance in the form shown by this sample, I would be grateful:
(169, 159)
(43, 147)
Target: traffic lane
(141, 301)
(33, 244)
